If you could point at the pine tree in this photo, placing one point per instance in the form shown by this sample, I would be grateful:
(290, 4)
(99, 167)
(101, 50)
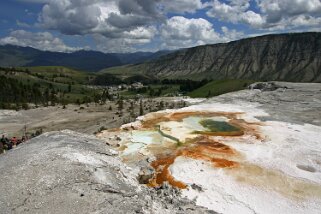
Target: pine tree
(141, 109)
(120, 103)
(209, 94)
(69, 87)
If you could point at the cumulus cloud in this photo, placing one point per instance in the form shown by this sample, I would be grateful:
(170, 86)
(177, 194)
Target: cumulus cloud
(275, 10)
(180, 32)
(70, 16)
(129, 43)
(41, 40)
(235, 12)
(306, 20)
(231, 34)
(117, 25)
(109, 17)
(290, 13)
(273, 14)
(124, 25)
(124, 21)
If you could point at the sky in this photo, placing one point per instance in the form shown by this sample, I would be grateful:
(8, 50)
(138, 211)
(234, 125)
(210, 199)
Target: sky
(148, 25)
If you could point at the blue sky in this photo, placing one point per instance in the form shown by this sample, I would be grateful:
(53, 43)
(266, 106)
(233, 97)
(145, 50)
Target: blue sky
(148, 25)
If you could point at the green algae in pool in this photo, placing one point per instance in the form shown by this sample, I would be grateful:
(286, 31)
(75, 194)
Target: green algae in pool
(219, 128)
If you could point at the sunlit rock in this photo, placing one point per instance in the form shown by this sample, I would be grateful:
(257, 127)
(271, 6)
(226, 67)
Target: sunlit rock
(248, 152)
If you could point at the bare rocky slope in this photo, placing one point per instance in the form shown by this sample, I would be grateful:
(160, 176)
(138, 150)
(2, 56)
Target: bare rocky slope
(288, 57)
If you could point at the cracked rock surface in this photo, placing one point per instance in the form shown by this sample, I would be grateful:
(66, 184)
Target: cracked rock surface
(69, 172)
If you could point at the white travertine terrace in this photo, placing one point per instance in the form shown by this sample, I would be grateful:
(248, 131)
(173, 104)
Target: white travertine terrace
(278, 174)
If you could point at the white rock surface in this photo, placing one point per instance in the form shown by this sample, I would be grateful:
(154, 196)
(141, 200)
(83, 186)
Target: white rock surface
(279, 174)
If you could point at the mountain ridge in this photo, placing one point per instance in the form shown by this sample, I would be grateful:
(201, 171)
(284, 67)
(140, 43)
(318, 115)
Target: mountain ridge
(287, 57)
(86, 60)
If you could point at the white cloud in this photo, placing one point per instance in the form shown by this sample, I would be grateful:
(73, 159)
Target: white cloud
(285, 14)
(253, 19)
(42, 40)
(231, 35)
(235, 12)
(69, 16)
(128, 43)
(272, 15)
(121, 21)
(180, 32)
(142, 33)
(126, 22)
(275, 10)
(125, 25)
(109, 17)
(177, 32)
(306, 20)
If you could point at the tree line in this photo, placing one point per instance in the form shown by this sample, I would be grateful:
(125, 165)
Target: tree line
(17, 95)
(186, 85)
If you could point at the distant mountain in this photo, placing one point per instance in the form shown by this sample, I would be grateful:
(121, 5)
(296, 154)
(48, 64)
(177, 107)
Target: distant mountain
(289, 57)
(139, 57)
(13, 56)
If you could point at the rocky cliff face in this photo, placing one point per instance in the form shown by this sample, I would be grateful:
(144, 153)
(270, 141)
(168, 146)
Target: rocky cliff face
(289, 57)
